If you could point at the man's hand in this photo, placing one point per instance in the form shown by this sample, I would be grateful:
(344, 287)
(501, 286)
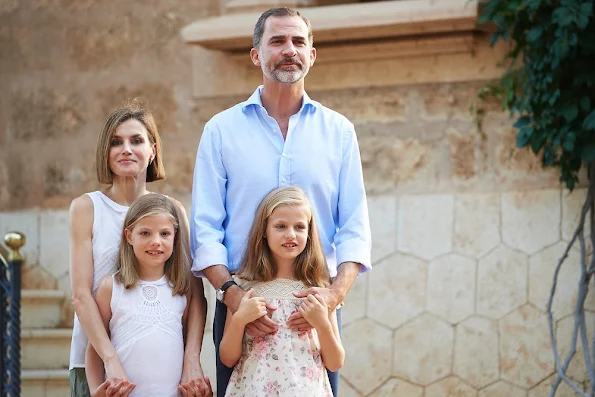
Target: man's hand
(297, 321)
(198, 387)
(315, 311)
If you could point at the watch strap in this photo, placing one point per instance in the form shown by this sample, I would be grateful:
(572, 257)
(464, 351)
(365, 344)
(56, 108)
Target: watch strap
(227, 284)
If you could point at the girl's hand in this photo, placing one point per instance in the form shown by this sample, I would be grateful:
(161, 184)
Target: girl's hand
(251, 308)
(196, 388)
(315, 311)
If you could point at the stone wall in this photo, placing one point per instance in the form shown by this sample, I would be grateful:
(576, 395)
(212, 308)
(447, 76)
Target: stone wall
(466, 228)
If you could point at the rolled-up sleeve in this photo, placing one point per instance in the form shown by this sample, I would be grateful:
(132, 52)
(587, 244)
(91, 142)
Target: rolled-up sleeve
(208, 203)
(353, 240)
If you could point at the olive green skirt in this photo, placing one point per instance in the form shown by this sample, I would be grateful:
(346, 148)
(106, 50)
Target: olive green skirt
(78, 383)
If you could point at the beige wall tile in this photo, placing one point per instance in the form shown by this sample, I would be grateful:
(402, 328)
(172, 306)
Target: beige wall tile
(425, 224)
(476, 351)
(525, 352)
(397, 387)
(383, 224)
(501, 282)
(450, 387)
(423, 350)
(369, 343)
(476, 224)
(531, 219)
(502, 389)
(397, 290)
(572, 203)
(543, 389)
(541, 272)
(451, 287)
(54, 254)
(355, 303)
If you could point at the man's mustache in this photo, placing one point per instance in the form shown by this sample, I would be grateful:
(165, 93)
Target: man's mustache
(295, 61)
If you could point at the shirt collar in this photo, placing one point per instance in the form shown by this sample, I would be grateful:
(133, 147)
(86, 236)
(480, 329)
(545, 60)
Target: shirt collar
(255, 100)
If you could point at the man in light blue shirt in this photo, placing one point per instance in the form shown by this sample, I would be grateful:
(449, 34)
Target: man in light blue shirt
(278, 137)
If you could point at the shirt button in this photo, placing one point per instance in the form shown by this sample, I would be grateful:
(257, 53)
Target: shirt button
(283, 155)
(283, 180)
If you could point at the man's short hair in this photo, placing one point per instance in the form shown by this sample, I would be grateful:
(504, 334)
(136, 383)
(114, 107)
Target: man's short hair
(278, 12)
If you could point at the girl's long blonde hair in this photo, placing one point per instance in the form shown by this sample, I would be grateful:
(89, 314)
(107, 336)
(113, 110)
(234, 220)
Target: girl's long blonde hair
(177, 267)
(258, 263)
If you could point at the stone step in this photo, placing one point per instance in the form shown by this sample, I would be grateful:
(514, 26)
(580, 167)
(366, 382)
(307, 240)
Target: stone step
(45, 348)
(45, 383)
(41, 308)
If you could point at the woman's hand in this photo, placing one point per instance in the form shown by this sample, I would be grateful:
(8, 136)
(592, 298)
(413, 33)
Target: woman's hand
(251, 308)
(315, 311)
(199, 387)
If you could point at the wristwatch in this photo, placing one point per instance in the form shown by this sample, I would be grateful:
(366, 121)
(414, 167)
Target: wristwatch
(220, 293)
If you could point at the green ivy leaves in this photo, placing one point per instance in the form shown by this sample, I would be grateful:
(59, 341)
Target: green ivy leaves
(552, 92)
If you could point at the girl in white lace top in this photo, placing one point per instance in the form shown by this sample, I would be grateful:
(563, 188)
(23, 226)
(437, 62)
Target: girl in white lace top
(144, 304)
(283, 256)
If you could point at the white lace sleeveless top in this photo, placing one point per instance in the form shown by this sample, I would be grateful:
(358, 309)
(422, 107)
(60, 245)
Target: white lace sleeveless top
(146, 331)
(108, 221)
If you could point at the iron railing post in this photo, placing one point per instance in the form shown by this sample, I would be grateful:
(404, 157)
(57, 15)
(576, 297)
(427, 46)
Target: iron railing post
(12, 386)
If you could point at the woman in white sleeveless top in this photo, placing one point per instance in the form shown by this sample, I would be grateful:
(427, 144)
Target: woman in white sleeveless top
(128, 156)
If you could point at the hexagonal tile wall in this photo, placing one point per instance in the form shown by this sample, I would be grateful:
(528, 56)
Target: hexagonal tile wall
(476, 351)
(397, 387)
(502, 389)
(355, 302)
(531, 219)
(564, 330)
(369, 343)
(544, 388)
(450, 387)
(383, 224)
(451, 287)
(541, 272)
(423, 350)
(525, 351)
(398, 285)
(425, 225)
(476, 224)
(501, 282)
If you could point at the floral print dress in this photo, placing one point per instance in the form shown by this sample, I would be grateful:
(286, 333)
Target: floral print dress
(286, 363)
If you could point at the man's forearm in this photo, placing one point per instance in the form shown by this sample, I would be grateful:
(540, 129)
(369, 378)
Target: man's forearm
(219, 275)
(346, 275)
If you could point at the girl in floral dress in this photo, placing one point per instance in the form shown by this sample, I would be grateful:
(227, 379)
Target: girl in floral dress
(284, 255)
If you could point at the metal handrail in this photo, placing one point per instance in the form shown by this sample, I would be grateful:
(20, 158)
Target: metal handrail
(10, 316)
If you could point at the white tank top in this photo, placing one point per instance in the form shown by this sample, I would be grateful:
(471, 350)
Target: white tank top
(146, 331)
(108, 221)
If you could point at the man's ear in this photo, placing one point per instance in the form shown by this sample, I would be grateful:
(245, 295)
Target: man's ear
(255, 56)
(312, 56)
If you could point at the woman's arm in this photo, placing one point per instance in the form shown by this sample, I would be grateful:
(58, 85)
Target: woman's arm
(93, 363)
(315, 311)
(251, 308)
(81, 282)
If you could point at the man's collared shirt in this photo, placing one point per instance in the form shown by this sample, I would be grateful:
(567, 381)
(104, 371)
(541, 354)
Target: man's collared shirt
(242, 156)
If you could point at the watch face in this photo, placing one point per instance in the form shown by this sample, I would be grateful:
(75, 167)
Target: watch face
(219, 295)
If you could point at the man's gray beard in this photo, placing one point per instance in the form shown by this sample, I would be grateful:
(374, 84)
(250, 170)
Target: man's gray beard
(285, 76)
